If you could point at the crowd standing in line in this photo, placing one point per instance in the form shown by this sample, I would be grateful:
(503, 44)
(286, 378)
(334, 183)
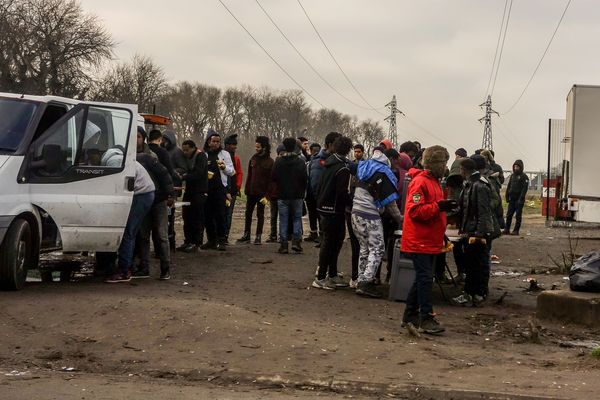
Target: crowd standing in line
(408, 193)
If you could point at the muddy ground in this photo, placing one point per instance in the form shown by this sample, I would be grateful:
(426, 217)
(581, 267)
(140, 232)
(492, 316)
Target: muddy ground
(246, 324)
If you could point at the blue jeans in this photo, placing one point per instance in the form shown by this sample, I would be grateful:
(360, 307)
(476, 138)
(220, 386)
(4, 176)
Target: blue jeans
(287, 208)
(140, 206)
(419, 296)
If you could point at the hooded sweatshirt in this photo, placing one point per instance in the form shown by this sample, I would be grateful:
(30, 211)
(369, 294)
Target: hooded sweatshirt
(178, 159)
(316, 167)
(333, 196)
(289, 177)
(113, 157)
(517, 185)
(376, 189)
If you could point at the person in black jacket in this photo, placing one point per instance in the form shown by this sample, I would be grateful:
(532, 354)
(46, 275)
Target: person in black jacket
(477, 228)
(518, 184)
(178, 161)
(156, 221)
(289, 176)
(332, 200)
(196, 186)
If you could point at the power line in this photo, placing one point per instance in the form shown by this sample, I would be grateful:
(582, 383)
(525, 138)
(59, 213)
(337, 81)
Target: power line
(502, 47)
(269, 55)
(306, 61)
(415, 123)
(497, 47)
(335, 61)
(541, 59)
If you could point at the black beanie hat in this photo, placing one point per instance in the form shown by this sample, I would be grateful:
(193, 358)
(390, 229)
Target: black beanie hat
(461, 152)
(479, 161)
(142, 132)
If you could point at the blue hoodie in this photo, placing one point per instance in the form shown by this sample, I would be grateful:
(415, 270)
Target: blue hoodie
(316, 166)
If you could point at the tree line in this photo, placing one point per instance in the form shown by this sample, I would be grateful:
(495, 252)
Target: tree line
(55, 47)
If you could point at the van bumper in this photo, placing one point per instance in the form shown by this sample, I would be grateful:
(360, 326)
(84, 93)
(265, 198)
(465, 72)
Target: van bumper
(5, 221)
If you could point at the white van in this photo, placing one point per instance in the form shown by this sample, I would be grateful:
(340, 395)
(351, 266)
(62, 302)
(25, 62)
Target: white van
(56, 190)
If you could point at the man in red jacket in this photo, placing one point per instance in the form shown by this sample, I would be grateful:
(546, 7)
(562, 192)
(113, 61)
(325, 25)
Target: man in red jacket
(423, 235)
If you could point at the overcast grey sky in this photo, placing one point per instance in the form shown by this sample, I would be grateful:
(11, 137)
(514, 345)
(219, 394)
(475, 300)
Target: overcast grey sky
(435, 56)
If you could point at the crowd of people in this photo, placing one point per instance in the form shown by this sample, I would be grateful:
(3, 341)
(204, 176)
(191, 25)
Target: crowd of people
(408, 193)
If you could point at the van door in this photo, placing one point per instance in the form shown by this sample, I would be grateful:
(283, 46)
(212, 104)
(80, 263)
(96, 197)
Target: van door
(79, 171)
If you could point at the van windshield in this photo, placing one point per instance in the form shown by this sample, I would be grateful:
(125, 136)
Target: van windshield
(15, 116)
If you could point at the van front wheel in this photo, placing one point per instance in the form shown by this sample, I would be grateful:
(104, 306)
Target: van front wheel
(16, 255)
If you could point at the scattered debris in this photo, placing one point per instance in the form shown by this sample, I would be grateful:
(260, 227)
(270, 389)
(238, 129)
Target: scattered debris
(508, 274)
(69, 369)
(185, 283)
(585, 344)
(534, 286)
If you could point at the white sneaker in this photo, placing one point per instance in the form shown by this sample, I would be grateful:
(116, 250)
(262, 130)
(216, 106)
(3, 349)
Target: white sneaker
(353, 283)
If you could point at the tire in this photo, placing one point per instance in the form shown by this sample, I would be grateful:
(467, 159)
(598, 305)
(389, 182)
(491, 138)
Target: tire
(16, 255)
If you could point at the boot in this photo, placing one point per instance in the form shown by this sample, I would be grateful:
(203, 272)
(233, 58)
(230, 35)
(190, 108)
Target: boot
(220, 246)
(272, 239)
(312, 237)
(245, 238)
(283, 248)
(296, 246)
(258, 240)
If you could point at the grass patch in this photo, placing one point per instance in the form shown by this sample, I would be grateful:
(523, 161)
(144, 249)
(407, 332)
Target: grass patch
(596, 353)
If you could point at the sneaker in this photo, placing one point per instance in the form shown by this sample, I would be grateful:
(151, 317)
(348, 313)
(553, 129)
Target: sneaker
(410, 319)
(283, 249)
(477, 300)
(220, 246)
(323, 284)
(464, 299)
(209, 246)
(141, 274)
(514, 233)
(165, 276)
(183, 246)
(312, 237)
(368, 289)
(296, 246)
(353, 283)
(118, 278)
(430, 325)
(189, 248)
(338, 281)
(272, 239)
(258, 240)
(460, 278)
(506, 232)
(244, 239)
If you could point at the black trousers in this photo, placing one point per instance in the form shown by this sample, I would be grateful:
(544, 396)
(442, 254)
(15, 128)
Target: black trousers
(477, 269)
(193, 217)
(251, 203)
(313, 214)
(459, 257)
(274, 210)
(171, 228)
(214, 211)
(354, 245)
(334, 229)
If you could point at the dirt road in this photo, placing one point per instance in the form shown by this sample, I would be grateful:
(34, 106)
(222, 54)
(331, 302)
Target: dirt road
(248, 317)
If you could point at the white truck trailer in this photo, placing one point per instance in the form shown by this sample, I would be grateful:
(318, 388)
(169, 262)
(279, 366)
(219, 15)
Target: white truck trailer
(583, 130)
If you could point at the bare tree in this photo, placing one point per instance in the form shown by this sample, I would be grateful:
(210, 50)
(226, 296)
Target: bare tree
(192, 107)
(49, 46)
(140, 82)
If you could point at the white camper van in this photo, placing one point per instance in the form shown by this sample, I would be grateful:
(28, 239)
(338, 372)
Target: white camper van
(57, 189)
